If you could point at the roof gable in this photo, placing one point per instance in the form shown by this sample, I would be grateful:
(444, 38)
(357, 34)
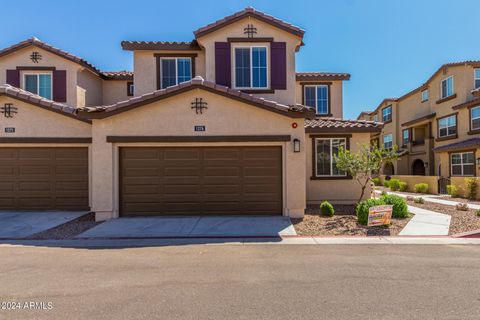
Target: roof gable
(100, 112)
(249, 12)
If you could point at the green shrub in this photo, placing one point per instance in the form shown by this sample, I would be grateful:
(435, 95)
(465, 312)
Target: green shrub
(400, 208)
(386, 183)
(419, 200)
(376, 181)
(327, 209)
(383, 193)
(421, 188)
(478, 213)
(461, 206)
(394, 184)
(471, 188)
(402, 186)
(452, 190)
(362, 209)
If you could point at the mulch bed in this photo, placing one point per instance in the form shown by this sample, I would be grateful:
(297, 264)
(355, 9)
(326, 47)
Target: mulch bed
(462, 221)
(343, 223)
(67, 230)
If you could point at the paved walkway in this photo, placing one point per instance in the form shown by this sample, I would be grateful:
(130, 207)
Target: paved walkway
(432, 198)
(426, 223)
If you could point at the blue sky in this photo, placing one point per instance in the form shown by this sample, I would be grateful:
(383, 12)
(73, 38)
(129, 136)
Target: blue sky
(389, 47)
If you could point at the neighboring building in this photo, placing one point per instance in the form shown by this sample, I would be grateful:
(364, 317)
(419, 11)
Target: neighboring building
(219, 125)
(436, 125)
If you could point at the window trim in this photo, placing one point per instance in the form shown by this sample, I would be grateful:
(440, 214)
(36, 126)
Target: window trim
(383, 140)
(130, 94)
(314, 155)
(475, 77)
(403, 138)
(316, 84)
(391, 113)
(234, 75)
(421, 95)
(38, 73)
(176, 69)
(158, 57)
(441, 88)
(462, 152)
(472, 130)
(447, 137)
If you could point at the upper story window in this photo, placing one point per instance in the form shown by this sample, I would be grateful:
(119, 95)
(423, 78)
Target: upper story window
(425, 95)
(325, 151)
(38, 83)
(477, 78)
(405, 136)
(475, 118)
(130, 89)
(447, 126)
(174, 71)
(388, 141)
(375, 118)
(447, 87)
(387, 114)
(251, 68)
(316, 96)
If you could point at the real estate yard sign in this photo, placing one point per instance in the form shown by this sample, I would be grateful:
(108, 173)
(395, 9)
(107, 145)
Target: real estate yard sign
(380, 215)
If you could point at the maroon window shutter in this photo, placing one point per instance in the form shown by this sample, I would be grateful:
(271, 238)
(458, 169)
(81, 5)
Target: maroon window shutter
(60, 85)
(223, 64)
(13, 78)
(278, 62)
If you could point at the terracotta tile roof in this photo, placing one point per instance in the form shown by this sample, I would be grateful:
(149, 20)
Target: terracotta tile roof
(465, 144)
(317, 76)
(419, 119)
(45, 46)
(341, 125)
(160, 45)
(249, 12)
(28, 97)
(364, 113)
(476, 92)
(117, 75)
(296, 111)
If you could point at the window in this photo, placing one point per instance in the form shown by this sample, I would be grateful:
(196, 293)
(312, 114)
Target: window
(477, 78)
(130, 88)
(317, 97)
(462, 164)
(375, 118)
(387, 114)
(38, 83)
(447, 87)
(425, 95)
(475, 118)
(447, 126)
(175, 71)
(405, 136)
(388, 141)
(325, 149)
(251, 67)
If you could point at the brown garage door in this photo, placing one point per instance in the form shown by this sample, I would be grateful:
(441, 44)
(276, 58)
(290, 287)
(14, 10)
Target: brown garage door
(44, 179)
(201, 181)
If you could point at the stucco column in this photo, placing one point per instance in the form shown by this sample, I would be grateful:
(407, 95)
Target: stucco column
(296, 185)
(102, 173)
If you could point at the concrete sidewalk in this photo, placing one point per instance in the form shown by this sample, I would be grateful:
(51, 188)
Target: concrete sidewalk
(431, 198)
(426, 223)
(193, 226)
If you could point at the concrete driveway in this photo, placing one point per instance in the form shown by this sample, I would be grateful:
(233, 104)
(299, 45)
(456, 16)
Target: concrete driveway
(192, 226)
(21, 224)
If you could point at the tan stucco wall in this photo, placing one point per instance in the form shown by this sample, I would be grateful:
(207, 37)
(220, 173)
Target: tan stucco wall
(462, 190)
(89, 89)
(174, 117)
(344, 191)
(263, 30)
(336, 96)
(145, 68)
(114, 91)
(33, 121)
(411, 181)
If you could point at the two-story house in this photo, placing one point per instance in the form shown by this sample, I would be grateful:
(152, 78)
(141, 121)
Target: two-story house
(219, 125)
(436, 124)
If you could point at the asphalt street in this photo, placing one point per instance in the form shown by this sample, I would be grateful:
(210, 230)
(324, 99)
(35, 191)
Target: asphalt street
(241, 282)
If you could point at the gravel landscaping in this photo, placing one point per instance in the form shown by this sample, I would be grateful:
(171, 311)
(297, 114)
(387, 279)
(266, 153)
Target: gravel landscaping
(462, 200)
(462, 221)
(343, 223)
(67, 230)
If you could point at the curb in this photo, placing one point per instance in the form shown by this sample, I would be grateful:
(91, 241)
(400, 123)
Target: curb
(468, 234)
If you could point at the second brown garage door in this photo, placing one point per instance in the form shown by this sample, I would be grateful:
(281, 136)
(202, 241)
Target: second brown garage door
(200, 181)
(44, 179)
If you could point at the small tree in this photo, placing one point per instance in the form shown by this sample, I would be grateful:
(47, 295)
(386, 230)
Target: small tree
(360, 165)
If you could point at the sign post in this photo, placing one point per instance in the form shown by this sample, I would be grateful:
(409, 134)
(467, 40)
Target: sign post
(380, 215)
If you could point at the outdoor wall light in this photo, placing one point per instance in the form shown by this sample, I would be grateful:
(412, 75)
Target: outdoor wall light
(296, 145)
(425, 164)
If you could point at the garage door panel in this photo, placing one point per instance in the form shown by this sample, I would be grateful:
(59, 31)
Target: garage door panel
(202, 180)
(44, 178)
